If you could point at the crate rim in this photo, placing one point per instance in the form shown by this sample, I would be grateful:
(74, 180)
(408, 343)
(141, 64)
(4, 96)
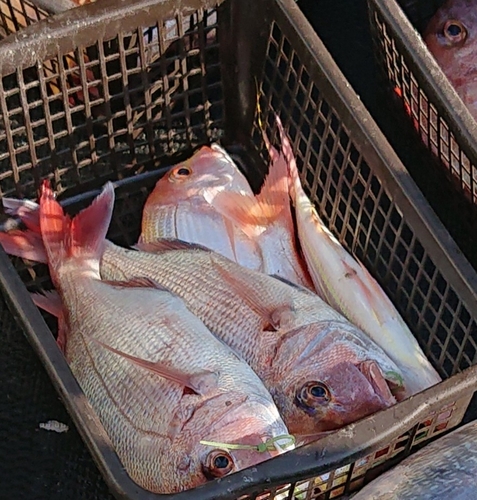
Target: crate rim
(375, 143)
(405, 413)
(438, 84)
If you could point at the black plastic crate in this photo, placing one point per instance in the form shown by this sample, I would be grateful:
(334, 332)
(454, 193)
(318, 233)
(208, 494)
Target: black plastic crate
(433, 107)
(141, 101)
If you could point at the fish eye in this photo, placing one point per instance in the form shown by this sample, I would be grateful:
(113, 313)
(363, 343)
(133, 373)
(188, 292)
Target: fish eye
(218, 464)
(455, 31)
(313, 395)
(180, 172)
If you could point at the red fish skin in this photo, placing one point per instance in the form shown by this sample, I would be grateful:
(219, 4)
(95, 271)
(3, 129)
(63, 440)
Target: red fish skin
(451, 37)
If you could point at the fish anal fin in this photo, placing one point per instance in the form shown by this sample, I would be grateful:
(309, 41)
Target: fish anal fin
(200, 383)
(50, 301)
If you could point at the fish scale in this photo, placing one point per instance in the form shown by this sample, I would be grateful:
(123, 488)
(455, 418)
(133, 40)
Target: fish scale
(287, 334)
(233, 302)
(159, 381)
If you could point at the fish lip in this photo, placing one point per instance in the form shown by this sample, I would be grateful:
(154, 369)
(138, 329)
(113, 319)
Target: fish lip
(382, 385)
(276, 429)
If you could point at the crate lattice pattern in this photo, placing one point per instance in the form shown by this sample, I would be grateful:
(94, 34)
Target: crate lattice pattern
(118, 107)
(433, 129)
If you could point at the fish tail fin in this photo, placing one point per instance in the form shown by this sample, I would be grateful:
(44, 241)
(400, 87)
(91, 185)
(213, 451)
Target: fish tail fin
(288, 158)
(274, 196)
(82, 237)
(27, 243)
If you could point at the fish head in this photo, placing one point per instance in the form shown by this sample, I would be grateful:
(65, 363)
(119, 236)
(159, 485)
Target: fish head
(222, 434)
(327, 376)
(207, 172)
(451, 37)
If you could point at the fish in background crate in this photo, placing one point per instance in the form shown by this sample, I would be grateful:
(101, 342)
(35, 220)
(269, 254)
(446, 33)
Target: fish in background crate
(451, 39)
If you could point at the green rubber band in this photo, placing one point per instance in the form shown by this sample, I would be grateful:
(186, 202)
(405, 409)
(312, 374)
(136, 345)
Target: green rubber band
(268, 445)
(396, 375)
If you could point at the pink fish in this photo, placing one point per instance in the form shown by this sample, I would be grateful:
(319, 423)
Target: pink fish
(321, 370)
(451, 38)
(346, 285)
(171, 397)
(206, 200)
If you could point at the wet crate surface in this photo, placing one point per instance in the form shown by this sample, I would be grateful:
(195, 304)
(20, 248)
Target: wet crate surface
(138, 111)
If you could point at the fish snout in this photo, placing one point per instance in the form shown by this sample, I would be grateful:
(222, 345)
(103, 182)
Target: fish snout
(383, 387)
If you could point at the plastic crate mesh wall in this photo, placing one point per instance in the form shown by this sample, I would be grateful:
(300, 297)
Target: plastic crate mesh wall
(16, 14)
(353, 203)
(112, 109)
(149, 97)
(437, 134)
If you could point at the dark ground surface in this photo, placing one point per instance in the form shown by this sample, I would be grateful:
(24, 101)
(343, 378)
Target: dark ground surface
(39, 465)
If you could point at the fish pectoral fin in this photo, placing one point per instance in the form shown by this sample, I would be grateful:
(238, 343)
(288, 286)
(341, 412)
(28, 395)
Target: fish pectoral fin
(167, 245)
(201, 383)
(243, 210)
(275, 316)
(50, 301)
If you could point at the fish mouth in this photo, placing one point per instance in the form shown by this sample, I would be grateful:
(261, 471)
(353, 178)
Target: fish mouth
(386, 387)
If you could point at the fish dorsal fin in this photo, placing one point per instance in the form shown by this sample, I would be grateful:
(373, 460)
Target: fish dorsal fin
(167, 245)
(201, 383)
(50, 301)
(275, 316)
